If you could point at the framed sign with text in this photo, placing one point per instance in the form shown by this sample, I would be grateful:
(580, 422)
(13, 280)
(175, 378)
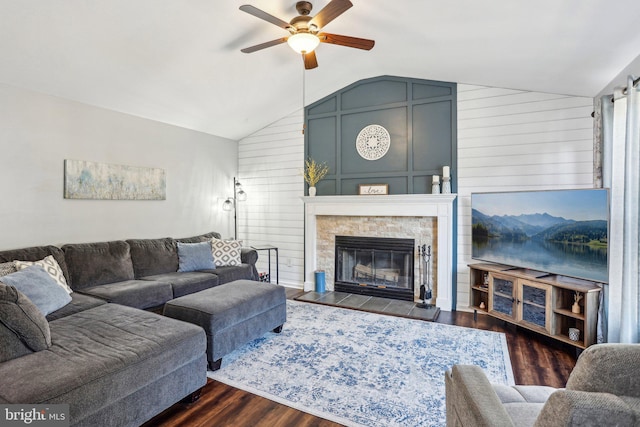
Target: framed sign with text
(373, 189)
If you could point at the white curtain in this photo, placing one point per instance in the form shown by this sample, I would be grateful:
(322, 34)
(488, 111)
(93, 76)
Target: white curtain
(621, 173)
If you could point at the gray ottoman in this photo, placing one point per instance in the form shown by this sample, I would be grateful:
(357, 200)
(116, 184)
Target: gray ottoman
(232, 314)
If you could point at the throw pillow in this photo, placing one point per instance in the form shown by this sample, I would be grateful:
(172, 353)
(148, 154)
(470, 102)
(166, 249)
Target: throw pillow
(51, 266)
(23, 328)
(195, 256)
(226, 252)
(7, 268)
(39, 287)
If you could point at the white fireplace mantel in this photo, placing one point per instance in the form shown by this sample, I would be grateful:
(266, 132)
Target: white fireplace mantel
(439, 206)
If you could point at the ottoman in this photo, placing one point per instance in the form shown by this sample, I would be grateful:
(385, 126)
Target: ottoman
(232, 314)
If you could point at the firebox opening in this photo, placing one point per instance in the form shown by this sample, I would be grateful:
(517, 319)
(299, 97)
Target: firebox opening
(375, 266)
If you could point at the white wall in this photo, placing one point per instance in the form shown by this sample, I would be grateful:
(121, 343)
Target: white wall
(270, 161)
(510, 140)
(37, 132)
(507, 140)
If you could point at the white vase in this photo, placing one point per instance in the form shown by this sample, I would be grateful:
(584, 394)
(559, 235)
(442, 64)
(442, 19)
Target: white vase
(312, 191)
(446, 185)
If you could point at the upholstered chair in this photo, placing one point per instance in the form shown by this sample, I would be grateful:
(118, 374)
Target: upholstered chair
(603, 390)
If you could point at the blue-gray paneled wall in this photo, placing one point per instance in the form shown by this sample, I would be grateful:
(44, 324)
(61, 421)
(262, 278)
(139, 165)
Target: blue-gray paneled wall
(420, 116)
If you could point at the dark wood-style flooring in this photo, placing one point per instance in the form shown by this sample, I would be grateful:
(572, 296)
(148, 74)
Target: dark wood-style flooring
(535, 360)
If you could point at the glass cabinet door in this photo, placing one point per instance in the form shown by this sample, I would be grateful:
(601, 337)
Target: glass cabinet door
(535, 302)
(502, 295)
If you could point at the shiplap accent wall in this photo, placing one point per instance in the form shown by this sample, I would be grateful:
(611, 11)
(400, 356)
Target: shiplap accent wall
(269, 167)
(511, 140)
(508, 140)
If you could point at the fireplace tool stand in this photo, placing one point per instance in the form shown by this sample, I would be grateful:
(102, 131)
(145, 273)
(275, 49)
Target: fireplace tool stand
(426, 294)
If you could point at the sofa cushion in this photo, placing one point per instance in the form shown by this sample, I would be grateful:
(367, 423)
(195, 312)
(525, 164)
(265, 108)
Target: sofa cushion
(51, 266)
(230, 273)
(133, 293)
(23, 328)
(201, 238)
(186, 283)
(523, 414)
(153, 256)
(195, 256)
(226, 252)
(36, 253)
(102, 355)
(79, 302)
(92, 264)
(523, 403)
(7, 268)
(523, 393)
(39, 287)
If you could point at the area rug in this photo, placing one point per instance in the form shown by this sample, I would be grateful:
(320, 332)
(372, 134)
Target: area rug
(362, 369)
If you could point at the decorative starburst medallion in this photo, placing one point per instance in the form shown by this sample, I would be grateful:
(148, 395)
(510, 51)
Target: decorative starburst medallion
(373, 142)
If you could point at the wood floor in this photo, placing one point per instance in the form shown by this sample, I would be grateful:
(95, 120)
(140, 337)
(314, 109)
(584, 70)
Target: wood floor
(535, 360)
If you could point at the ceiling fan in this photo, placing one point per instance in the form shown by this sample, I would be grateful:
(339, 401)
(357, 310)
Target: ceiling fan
(304, 30)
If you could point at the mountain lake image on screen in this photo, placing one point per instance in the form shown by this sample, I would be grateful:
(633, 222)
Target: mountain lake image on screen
(562, 232)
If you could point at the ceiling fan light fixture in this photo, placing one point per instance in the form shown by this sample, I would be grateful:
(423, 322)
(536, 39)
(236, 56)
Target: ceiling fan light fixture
(304, 30)
(303, 42)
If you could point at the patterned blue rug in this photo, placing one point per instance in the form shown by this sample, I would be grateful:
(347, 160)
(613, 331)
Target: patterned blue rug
(362, 369)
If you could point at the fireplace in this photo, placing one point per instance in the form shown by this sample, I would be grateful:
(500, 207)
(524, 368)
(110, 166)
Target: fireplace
(375, 266)
(428, 217)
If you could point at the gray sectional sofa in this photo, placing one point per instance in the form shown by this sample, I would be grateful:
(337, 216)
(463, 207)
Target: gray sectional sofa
(111, 358)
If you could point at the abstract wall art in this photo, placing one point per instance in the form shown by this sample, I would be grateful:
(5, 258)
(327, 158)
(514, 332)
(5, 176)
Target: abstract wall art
(104, 181)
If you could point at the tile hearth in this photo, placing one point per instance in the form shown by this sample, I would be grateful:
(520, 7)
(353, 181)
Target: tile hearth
(392, 307)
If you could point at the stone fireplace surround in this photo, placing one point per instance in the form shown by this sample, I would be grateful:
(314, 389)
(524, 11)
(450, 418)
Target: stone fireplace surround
(429, 219)
(421, 229)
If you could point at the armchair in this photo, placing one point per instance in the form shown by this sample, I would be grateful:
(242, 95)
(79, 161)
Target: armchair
(603, 389)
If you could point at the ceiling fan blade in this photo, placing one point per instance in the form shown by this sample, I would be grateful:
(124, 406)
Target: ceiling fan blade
(310, 60)
(252, 10)
(347, 41)
(330, 12)
(264, 45)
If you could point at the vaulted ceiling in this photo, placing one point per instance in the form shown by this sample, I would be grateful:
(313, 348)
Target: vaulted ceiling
(179, 61)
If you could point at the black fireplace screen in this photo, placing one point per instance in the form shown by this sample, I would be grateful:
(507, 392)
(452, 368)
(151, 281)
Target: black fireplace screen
(372, 262)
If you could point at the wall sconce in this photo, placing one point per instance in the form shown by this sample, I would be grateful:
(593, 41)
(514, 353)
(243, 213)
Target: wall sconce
(239, 195)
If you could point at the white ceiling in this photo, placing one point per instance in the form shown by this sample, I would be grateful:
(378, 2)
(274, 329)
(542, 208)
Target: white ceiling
(179, 61)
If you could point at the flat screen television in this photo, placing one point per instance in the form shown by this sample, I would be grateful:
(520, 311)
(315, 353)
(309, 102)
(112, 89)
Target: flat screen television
(562, 232)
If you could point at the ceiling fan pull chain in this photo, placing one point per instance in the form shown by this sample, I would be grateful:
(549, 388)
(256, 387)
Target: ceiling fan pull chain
(303, 97)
